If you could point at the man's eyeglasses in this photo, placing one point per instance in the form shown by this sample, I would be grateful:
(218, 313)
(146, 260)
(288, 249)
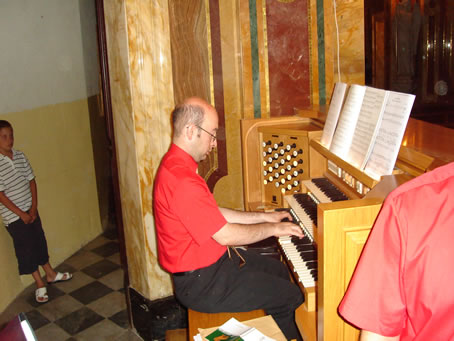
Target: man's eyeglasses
(214, 137)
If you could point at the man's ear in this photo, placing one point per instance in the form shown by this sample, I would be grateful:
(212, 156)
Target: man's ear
(189, 132)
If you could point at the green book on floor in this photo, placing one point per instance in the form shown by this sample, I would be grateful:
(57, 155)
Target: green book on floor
(218, 335)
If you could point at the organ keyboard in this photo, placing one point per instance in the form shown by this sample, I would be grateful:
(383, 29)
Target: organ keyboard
(301, 254)
(335, 204)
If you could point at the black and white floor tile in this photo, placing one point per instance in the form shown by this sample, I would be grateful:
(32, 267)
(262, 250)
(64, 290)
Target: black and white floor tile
(91, 306)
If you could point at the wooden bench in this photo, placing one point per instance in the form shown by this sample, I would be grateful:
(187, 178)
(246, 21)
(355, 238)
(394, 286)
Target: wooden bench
(206, 320)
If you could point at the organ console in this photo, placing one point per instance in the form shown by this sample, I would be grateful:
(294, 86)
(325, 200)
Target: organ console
(334, 203)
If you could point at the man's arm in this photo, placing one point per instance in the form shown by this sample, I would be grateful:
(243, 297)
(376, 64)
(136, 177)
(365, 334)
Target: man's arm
(26, 218)
(242, 234)
(240, 217)
(369, 336)
(34, 208)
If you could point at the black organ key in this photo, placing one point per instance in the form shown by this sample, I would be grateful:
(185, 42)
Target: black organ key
(307, 256)
(309, 206)
(311, 265)
(305, 247)
(329, 189)
(304, 240)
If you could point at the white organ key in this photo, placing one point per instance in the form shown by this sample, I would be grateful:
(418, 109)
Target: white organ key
(299, 266)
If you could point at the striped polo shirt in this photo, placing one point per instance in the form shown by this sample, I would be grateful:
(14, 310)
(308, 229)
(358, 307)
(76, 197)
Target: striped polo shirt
(15, 177)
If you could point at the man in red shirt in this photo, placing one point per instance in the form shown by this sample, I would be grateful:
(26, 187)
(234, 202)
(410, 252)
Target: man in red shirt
(402, 286)
(194, 233)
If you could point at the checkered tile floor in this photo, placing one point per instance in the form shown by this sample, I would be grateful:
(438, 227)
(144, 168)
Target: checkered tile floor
(91, 306)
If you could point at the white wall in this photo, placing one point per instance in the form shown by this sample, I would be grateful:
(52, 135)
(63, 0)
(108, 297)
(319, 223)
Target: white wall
(48, 55)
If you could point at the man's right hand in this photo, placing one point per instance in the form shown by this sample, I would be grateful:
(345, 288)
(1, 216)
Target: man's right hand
(288, 229)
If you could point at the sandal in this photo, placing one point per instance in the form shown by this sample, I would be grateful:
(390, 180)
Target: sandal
(41, 295)
(61, 277)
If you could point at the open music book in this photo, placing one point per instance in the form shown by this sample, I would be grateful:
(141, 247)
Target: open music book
(369, 128)
(337, 99)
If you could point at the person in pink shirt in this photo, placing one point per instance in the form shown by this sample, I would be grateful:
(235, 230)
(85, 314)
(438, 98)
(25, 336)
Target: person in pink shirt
(402, 286)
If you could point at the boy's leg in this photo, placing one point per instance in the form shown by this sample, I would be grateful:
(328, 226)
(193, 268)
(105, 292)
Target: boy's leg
(38, 280)
(24, 245)
(51, 274)
(40, 250)
(41, 291)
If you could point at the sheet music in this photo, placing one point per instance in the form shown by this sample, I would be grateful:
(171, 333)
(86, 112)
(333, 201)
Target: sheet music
(333, 113)
(387, 144)
(343, 135)
(367, 127)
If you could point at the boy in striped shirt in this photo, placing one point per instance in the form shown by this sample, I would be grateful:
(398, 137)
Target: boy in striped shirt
(19, 211)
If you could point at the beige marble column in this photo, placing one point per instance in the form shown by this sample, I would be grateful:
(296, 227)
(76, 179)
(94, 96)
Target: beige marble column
(140, 70)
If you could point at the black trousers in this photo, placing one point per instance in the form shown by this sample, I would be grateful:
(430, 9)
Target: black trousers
(262, 283)
(29, 244)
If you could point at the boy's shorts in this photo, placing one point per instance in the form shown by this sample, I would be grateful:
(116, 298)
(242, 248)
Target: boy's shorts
(30, 245)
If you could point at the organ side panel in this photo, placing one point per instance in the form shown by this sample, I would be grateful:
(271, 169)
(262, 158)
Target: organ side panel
(340, 225)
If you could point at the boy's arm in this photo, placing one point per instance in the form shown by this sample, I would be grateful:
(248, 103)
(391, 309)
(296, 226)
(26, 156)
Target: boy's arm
(10, 205)
(34, 208)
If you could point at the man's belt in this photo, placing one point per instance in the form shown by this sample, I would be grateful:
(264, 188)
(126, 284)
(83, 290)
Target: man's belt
(183, 273)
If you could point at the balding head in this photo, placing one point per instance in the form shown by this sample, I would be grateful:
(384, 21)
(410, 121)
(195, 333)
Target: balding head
(185, 114)
(191, 111)
(190, 119)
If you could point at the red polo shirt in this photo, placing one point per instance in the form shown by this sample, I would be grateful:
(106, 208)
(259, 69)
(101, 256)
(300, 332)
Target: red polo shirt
(186, 215)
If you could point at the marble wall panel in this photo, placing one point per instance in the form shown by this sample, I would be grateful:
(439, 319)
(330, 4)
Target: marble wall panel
(313, 51)
(217, 81)
(350, 21)
(288, 56)
(197, 69)
(189, 45)
(228, 189)
(142, 99)
(255, 58)
(262, 37)
(246, 59)
(326, 40)
(116, 33)
(351, 38)
(153, 100)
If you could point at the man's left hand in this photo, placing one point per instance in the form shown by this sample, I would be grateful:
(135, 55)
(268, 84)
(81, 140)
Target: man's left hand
(277, 216)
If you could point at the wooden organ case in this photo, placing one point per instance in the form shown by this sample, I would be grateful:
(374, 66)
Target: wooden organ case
(341, 227)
